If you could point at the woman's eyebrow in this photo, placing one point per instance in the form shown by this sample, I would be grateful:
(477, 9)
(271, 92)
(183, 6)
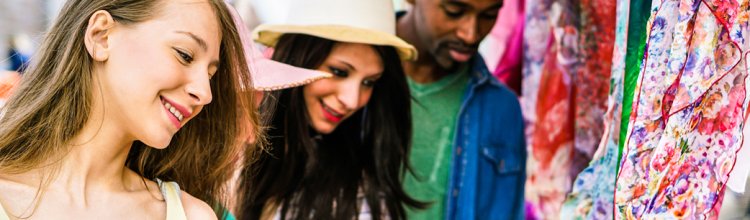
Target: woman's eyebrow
(200, 41)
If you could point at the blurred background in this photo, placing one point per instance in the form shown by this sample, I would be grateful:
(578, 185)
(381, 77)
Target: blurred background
(23, 24)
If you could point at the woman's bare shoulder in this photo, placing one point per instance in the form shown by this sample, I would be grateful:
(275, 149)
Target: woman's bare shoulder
(195, 208)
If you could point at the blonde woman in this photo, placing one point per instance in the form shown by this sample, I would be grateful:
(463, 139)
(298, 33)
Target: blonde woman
(126, 99)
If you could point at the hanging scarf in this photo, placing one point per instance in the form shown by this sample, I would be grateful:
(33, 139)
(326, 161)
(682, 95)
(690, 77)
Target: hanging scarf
(567, 63)
(688, 111)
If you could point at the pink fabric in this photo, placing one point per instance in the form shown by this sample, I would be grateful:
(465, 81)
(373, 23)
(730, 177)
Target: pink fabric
(508, 34)
(268, 75)
(568, 47)
(508, 70)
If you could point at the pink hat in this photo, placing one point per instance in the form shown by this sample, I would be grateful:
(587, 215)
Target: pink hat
(267, 74)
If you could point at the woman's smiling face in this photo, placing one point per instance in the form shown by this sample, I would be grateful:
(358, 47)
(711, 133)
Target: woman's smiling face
(156, 76)
(356, 68)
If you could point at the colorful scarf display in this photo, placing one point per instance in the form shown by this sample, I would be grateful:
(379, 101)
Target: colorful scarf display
(688, 111)
(593, 191)
(566, 76)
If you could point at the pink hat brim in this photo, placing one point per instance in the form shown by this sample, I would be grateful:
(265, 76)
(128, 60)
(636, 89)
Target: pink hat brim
(267, 74)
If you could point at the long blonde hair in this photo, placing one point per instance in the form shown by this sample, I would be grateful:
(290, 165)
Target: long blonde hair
(54, 101)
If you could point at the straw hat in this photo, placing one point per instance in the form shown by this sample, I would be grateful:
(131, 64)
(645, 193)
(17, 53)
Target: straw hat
(354, 21)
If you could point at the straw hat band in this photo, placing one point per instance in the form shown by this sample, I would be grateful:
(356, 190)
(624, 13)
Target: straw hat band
(270, 34)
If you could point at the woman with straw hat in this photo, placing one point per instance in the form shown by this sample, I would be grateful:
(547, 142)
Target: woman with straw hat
(338, 146)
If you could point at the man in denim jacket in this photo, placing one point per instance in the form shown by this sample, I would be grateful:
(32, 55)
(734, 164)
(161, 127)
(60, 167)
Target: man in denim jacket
(469, 153)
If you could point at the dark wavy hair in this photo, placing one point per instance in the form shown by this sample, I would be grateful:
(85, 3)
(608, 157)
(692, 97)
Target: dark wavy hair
(367, 154)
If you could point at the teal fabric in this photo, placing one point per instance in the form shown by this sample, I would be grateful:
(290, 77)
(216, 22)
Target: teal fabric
(227, 215)
(640, 11)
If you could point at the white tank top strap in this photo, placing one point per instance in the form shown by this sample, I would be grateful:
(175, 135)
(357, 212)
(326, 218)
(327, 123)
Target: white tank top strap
(171, 192)
(3, 214)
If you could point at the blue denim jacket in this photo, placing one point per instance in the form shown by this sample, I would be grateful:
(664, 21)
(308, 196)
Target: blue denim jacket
(488, 172)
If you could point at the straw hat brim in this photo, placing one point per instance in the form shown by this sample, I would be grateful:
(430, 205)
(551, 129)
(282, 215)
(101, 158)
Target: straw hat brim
(268, 34)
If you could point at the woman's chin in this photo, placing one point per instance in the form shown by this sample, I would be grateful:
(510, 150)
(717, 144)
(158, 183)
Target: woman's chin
(159, 143)
(324, 128)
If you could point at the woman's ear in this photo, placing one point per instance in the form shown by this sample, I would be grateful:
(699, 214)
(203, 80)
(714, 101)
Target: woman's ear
(97, 35)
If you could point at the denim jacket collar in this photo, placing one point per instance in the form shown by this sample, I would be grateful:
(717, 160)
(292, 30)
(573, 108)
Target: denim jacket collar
(480, 74)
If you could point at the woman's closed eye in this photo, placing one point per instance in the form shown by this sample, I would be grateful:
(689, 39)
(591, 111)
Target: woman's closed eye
(369, 82)
(338, 72)
(185, 57)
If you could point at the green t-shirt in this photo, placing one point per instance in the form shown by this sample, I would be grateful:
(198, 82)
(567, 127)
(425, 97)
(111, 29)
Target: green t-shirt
(434, 111)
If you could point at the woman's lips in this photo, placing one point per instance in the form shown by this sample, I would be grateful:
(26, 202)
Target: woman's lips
(330, 114)
(175, 112)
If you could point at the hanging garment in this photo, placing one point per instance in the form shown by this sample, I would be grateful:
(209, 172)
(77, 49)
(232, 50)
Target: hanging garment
(567, 63)
(639, 14)
(507, 36)
(592, 194)
(688, 111)
(593, 191)
(736, 201)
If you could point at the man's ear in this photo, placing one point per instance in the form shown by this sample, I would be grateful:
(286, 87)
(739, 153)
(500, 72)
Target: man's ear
(97, 33)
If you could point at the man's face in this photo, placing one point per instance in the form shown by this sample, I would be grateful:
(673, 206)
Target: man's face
(450, 30)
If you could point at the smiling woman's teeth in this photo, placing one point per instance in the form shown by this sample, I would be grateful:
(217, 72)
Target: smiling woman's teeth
(173, 111)
(329, 110)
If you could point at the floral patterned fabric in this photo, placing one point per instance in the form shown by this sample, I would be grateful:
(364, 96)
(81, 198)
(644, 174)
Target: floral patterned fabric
(567, 64)
(688, 111)
(593, 190)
